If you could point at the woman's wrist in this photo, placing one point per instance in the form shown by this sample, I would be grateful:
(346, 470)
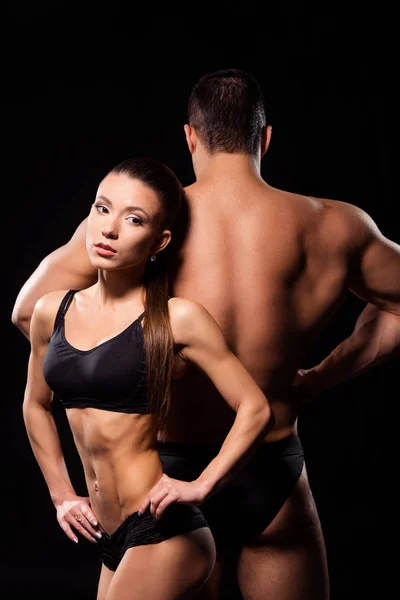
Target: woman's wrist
(60, 495)
(204, 488)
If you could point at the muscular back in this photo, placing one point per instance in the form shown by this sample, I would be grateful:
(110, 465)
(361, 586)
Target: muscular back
(271, 267)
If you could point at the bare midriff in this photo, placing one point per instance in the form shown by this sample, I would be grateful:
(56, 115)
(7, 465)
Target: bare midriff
(120, 461)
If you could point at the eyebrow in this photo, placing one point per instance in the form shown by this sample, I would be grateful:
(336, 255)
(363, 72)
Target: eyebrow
(127, 209)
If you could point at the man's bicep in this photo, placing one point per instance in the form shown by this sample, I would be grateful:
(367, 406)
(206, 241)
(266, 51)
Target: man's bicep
(67, 267)
(376, 278)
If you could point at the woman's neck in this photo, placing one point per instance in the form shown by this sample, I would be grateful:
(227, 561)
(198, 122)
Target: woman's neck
(117, 286)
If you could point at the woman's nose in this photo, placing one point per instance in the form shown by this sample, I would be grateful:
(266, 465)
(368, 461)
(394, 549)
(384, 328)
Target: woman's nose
(110, 231)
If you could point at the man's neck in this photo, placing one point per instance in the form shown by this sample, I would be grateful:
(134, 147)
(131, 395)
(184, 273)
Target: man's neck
(223, 164)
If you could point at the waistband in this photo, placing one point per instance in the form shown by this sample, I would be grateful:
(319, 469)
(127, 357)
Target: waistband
(175, 513)
(290, 445)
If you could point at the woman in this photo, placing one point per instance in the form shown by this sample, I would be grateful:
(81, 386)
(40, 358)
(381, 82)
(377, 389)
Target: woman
(110, 353)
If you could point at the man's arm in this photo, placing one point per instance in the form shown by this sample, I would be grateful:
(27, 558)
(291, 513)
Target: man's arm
(375, 278)
(68, 267)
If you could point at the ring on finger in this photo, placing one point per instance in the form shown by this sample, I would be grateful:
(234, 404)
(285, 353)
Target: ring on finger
(78, 517)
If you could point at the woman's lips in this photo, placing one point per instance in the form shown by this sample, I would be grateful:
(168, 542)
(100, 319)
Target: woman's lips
(104, 250)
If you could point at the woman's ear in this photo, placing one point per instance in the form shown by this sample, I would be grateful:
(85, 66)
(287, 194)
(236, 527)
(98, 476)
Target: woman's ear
(161, 242)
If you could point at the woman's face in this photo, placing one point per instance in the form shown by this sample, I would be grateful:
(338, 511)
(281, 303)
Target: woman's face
(125, 224)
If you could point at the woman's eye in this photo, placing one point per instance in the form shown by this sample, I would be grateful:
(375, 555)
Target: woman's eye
(135, 220)
(100, 208)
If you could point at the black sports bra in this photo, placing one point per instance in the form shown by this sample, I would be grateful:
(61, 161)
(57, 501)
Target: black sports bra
(111, 376)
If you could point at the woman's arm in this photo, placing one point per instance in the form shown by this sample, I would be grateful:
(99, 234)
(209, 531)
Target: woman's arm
(41, 428)
(203, 344)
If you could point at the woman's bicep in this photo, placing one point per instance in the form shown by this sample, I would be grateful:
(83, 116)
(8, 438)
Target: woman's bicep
(36, 389)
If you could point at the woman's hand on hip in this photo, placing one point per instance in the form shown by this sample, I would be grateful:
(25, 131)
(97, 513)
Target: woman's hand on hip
(172, 491)
(75, 512)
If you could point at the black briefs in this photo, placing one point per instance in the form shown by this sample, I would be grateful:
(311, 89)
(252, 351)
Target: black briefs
(140, 530)
(248, 504)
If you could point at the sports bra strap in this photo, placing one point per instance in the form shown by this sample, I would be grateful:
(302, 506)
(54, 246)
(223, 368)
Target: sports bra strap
(62, 309)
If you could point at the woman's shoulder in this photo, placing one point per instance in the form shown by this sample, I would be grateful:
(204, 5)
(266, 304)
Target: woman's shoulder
(48, 304)
(188, 318)
(50, 300)
(183, 308)
(45, 312)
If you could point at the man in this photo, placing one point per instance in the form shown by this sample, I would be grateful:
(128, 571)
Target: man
(272, 267)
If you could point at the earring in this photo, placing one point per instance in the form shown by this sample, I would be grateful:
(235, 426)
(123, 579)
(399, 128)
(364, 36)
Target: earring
(153, 257)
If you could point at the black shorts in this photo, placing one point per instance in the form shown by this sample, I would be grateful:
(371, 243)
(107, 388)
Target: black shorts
(248, 504)
(140, 530)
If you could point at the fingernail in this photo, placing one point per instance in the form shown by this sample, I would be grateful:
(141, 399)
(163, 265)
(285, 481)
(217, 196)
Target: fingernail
(98, 534)
(76, 540)
(139, 512)
(94, 523)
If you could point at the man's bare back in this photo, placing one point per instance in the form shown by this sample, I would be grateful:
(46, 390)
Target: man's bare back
(271, 267)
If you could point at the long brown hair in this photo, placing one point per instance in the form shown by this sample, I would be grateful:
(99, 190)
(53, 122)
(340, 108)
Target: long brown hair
(159, 344)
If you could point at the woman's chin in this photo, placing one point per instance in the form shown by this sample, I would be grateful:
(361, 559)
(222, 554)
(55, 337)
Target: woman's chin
(103, 263)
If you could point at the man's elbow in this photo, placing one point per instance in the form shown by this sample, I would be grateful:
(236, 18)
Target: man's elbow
(265, 420)
(21, 319)
(269, 419)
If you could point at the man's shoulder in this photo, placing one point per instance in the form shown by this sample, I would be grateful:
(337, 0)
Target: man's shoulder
(348, 219)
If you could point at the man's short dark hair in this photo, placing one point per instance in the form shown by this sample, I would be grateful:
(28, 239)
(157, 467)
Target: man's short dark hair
(227, 110)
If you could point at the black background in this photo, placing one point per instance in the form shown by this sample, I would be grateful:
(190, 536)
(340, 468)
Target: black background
(86, 86)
